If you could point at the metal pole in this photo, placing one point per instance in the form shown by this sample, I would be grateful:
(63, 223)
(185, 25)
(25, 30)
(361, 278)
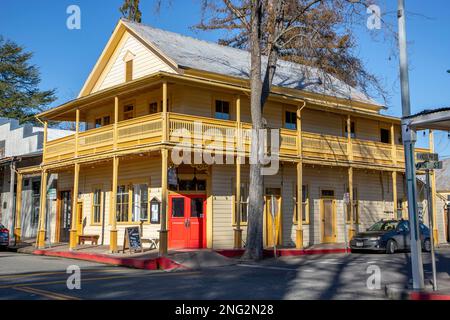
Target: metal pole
(430, 219)
(409, 138)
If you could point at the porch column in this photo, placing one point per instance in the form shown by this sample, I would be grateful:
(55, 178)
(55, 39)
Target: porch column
(237, 229)
(349, 139)
(165, 126)
(394, 192)
(433, 191)
(116, 121)
(113, 216)
(44, 142)
(40, 241)
(12, 182)
(73, 228)
(77, 130)
(17, 222)
(299, 197)
(351, 230)
(163, 243)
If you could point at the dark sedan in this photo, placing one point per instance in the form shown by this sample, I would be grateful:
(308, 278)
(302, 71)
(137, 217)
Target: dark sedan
(4, 236)
(389, 236)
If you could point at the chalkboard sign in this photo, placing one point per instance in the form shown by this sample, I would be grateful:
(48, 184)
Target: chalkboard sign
(132, 239)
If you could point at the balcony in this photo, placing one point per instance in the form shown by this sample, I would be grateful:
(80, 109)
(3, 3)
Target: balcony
(146, 131)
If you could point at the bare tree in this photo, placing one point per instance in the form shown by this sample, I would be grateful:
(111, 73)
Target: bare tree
(130, 10)
(314, 33)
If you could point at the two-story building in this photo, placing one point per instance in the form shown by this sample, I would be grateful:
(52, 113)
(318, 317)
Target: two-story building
(152, 89)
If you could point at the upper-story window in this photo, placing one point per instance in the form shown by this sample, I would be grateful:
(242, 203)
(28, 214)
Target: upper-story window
(129, 70)
(352, 129)
(128, 112)
(222, 110)
(102, 121)
(290, 120)
(153, 107)
(385, 136)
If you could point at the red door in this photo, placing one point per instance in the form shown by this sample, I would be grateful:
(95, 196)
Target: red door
(187, 221)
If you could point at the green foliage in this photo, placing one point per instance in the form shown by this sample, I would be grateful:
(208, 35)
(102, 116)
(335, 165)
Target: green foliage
(130, 10)
(20, 96)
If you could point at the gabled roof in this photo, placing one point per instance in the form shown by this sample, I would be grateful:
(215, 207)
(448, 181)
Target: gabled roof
(191, 53)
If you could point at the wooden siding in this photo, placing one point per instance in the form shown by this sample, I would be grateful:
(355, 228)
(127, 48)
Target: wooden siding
(145, 62)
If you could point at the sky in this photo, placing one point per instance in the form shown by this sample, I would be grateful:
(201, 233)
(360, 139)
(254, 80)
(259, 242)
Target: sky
(65, 57)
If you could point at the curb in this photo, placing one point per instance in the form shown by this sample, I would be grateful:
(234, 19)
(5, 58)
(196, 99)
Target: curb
(160, 263)
(235, 253)
(400, 293)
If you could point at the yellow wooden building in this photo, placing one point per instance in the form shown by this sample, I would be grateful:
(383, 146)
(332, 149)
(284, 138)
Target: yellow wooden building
(117, 170)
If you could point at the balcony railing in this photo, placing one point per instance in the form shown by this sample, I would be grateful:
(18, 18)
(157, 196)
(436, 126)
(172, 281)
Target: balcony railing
(206, 132)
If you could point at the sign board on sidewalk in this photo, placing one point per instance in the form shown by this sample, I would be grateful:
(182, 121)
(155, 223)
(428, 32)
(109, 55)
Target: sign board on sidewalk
(424, 156)
(132, 239)
(347, 198)
(429, 165)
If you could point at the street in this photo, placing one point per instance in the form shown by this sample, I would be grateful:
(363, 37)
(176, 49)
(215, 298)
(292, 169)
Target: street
(343, 276)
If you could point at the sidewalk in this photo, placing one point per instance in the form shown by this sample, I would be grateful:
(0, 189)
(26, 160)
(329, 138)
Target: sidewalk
(400, 292)
(148, 260)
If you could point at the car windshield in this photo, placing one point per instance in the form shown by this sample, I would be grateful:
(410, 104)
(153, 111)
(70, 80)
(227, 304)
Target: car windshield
(384, 226)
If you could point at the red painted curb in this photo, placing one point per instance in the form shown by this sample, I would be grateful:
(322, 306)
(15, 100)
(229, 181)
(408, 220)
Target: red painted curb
(160, 263)
(428, 296)
(233, 253)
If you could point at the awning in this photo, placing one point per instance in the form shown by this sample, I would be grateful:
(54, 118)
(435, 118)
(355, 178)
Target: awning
(438, 119)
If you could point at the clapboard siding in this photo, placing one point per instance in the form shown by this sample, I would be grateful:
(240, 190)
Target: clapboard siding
(145, 63)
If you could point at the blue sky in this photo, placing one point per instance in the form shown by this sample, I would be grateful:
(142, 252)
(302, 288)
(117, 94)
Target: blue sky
(65, 57)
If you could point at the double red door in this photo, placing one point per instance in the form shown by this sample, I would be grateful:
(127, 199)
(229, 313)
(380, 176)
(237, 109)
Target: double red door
(187, 221)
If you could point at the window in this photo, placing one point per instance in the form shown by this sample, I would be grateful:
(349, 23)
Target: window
(36, 195)
(222, 110)
(399, 209)
(122, 203)
(244, 203)
(129, 70)
(290, 121)
(352, 129)
(385, 136)
(128, 112)
(106, 120)
(96, 206)
(327, 193)
(178, 207)
(355, 208)
(305, 205)
(102, 121)
(140, 202)
(153, 107)
(197, 207)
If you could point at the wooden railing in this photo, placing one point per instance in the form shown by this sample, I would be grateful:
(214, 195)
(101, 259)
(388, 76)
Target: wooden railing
(203, 132)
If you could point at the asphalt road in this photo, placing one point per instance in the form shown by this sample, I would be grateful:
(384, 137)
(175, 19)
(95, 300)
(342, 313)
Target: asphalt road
(308, 277)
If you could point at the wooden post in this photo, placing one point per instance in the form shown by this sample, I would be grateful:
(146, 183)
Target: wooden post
(394, 193)
(237, 229)
(349, 139)
(113, 230)
(73, 228)
(77, 131)
(433, 191)
(40, 243)
(394, 148)
(17, 227)
(163, 233)
(116, 121)
(299, 197)
(44, 143)
(351, 230)
(165, 113)
(12, 182)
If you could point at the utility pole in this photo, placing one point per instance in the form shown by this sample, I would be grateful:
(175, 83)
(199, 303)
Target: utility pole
(409, 139)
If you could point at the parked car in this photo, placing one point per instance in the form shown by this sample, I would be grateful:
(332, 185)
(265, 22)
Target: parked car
(389, 236)
(4, 236)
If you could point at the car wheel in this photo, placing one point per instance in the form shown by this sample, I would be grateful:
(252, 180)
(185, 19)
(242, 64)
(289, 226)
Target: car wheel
(391, 247)
(427, 245)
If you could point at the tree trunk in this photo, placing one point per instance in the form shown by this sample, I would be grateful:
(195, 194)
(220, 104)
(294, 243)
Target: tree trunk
(254, 248)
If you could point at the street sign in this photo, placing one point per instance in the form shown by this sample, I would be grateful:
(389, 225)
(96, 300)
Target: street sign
(429, 165)
(424, 156)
